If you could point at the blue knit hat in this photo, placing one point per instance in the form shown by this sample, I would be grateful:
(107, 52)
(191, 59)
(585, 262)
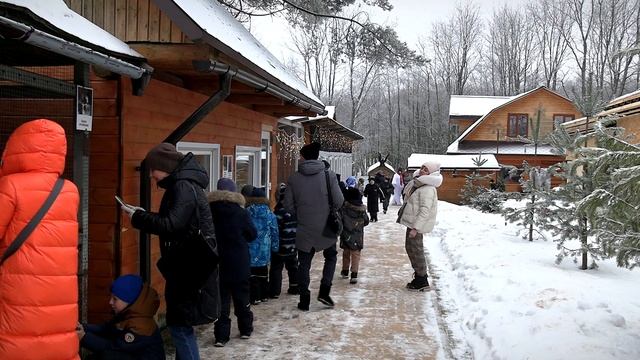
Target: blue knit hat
(226, 184)
(127, 288)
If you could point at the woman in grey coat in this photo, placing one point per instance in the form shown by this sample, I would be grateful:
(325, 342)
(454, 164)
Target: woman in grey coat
(307, 199)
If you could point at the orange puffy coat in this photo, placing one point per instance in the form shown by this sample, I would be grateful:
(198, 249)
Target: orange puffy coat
(38, 284)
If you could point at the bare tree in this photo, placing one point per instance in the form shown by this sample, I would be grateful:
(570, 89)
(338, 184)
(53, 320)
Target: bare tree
(455, 47)
(549, 25)
(510, 37)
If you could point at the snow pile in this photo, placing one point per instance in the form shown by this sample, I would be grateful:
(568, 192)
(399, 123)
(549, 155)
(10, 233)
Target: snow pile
(508, 300)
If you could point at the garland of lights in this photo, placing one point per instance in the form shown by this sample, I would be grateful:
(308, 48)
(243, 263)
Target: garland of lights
(331, 141)
(290, 145)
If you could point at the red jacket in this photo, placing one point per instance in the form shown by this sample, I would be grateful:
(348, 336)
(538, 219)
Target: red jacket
(38, 284)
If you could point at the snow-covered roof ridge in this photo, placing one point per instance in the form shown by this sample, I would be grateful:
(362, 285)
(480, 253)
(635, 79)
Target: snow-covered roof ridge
(474, 105)
(453, 147)
(454, 161)
(58, 14)
(212, 23)
(377, 165)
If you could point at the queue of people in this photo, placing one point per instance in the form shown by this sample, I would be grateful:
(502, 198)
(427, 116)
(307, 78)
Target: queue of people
(216, 248)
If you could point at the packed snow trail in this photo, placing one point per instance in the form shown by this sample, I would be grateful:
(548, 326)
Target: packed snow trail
(374, 319)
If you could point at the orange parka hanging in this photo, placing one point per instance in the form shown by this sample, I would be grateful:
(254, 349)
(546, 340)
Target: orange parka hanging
(38, 284)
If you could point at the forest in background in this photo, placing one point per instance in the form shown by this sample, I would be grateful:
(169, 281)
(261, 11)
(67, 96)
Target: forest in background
(398, 98)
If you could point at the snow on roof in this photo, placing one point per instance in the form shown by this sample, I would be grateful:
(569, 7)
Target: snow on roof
(454, 161)
(56, 13)
(377, 165)
(214, 20)
(453, 148)
(503, 147)
(624, 97)
(472, 105)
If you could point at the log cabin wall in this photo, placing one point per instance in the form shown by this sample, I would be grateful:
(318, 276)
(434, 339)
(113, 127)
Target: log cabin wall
(631, 124)
(549, 102)
(147, 120)
(130, 20)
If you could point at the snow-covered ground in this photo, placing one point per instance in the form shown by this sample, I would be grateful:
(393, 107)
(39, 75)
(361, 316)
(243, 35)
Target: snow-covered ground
(507, 299)
(494, 296)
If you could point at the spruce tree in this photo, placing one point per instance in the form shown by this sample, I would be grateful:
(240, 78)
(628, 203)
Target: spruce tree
(535, 183)
(566, 220)
(614, 206)
(535, 194)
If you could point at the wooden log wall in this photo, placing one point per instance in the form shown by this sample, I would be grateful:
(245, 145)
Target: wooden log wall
(549, 102)
(130, 20)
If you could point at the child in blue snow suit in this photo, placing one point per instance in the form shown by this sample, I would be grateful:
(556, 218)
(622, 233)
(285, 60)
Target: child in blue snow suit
(287, 255)
(132, 334)
(265, 243)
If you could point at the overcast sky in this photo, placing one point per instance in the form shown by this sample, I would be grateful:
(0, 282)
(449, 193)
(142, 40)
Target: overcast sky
(412, 19)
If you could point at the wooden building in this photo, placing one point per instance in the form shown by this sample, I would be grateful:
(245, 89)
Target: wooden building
(500, 131)
(625, 110)
(455, 169)
(215, 91)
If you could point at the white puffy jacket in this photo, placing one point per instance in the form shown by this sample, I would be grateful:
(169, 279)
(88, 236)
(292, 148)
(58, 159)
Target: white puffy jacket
(421, 203)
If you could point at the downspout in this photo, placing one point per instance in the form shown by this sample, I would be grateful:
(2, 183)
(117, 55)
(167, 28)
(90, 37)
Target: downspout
(259, 84)
(180, 132)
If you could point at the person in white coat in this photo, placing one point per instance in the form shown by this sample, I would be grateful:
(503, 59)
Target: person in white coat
(418, 214)
(397, 187)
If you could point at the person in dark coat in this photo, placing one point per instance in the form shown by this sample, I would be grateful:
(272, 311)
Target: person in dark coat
(373, 194)
(354, 219)
(234, 231)
(286, 257)
(132, 334)
(387, 190)
(185, 228)
(307, 198)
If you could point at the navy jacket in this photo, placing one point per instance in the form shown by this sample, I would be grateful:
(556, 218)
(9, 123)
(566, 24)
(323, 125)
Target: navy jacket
(234, 231)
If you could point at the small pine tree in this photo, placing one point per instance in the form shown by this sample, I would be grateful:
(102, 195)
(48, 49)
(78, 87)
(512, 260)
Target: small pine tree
(614, 207)
(564, 218)
(535, 190)
(474, 194)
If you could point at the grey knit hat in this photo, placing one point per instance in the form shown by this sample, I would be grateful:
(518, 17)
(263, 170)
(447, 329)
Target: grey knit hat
(164, 157)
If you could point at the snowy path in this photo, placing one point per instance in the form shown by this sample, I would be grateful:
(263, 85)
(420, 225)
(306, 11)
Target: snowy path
(375, 319)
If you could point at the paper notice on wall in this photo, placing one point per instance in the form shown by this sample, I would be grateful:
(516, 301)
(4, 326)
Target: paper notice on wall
(84, 108)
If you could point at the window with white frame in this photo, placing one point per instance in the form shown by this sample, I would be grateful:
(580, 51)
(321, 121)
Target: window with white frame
(207, 155)
(248, 166)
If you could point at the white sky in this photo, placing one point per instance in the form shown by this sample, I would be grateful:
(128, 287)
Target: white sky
(411, 18)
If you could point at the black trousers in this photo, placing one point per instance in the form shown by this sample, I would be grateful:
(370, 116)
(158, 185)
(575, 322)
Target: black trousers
(239, 293)
(275, 272)
(259, 283)
(304, 265)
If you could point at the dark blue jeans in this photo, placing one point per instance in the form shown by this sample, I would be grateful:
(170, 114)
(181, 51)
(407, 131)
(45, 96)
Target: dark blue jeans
(184, 339)
(304, 265)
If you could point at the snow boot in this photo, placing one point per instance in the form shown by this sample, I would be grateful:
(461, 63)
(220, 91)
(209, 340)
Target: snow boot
(293, 289)
(305, 298)
(354, 278)
(344, 273)
(323, 295)
(419, 283)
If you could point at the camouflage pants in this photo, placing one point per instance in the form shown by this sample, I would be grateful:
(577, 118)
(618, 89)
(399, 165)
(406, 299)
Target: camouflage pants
(415, 250)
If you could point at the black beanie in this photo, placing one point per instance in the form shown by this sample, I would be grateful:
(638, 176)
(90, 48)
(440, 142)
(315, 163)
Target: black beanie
(310, 151)
(164, 157)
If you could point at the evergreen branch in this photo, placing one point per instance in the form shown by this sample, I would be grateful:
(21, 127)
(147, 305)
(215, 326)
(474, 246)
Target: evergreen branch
(352, 20)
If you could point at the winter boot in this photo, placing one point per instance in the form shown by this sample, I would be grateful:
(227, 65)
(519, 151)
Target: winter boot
(323, 295)
(419, 283)
(293, 289)
(354, 278)
(344, 273)
(305, 298)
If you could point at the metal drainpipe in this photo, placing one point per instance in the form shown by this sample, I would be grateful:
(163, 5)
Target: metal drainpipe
(258, 83)
(177, 134)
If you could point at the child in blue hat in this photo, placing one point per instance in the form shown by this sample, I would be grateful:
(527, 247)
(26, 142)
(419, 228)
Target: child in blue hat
(132, 333)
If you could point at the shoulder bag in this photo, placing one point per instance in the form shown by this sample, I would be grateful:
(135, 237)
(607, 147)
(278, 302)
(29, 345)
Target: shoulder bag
(333, 226)
(35, 220)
